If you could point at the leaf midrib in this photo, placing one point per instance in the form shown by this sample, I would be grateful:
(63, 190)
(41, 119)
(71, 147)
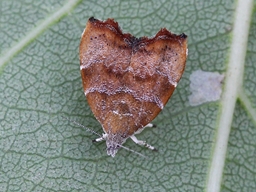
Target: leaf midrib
(233, 83)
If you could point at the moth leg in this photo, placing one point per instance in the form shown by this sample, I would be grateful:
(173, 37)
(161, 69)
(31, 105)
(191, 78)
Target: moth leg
(103, 138)
(143, 143)
(148, 125)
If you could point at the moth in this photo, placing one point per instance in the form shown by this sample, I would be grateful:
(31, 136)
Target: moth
(127, 80)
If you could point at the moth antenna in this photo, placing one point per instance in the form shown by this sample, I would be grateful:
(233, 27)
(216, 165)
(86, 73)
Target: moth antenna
(128, 149)
(90, 130)
(80, 125)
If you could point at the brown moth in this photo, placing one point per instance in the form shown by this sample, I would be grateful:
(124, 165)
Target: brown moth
(127, 80)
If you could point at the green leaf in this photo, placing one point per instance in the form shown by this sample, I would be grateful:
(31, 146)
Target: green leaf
(208, 147)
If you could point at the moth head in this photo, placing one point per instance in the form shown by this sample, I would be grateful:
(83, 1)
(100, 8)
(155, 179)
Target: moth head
(113, 142)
